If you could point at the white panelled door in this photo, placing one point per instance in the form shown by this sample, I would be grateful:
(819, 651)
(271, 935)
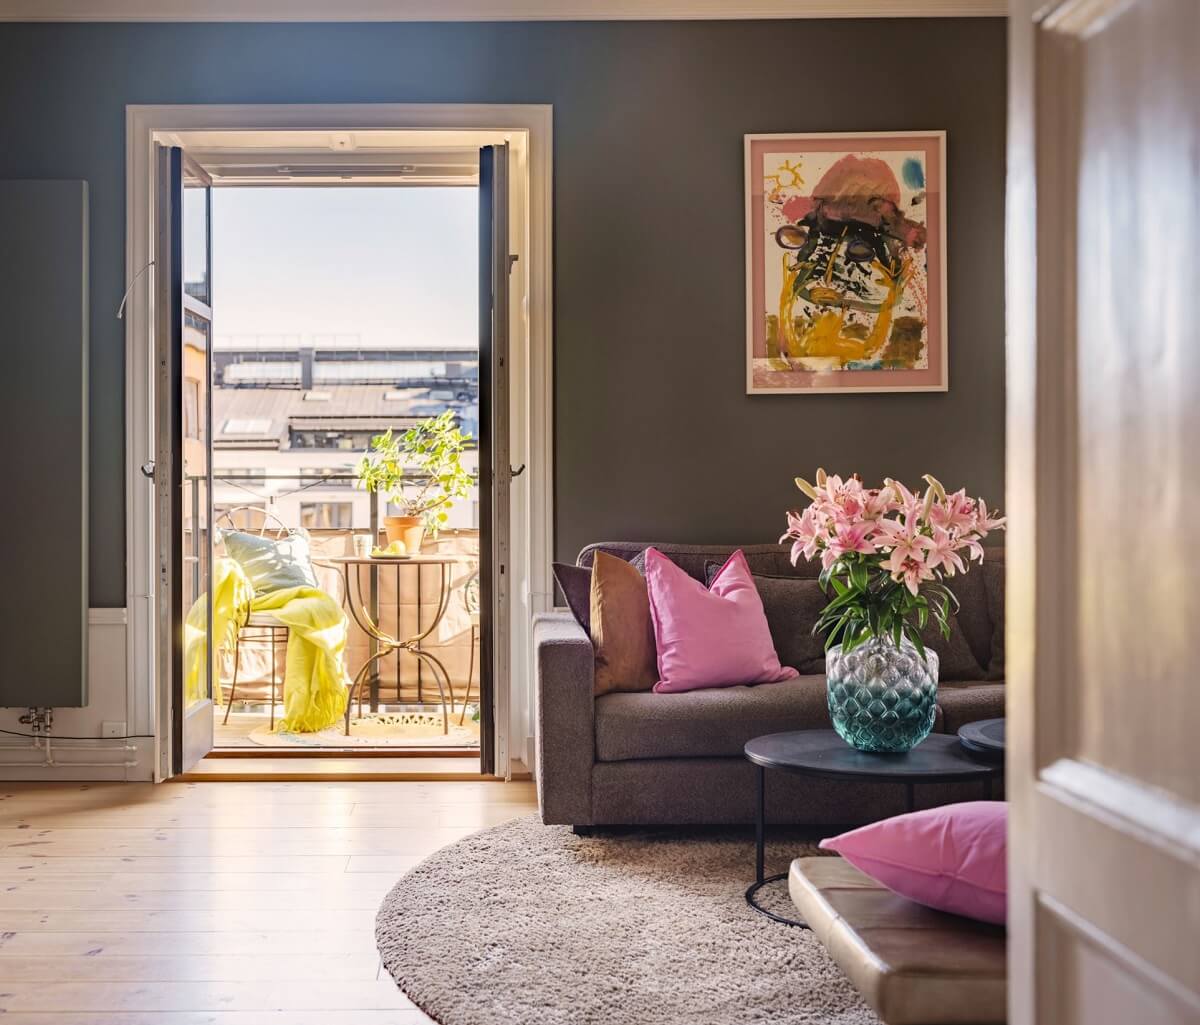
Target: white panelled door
(1103, 497)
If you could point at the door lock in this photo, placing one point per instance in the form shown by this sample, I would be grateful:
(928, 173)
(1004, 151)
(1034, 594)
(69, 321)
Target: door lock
(148, 469)
(515, 471)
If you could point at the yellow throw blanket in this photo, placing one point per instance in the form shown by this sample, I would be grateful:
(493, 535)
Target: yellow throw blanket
(315, 684)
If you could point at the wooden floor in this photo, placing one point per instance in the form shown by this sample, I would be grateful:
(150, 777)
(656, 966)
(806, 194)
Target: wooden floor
(215, 903)
(359, 767)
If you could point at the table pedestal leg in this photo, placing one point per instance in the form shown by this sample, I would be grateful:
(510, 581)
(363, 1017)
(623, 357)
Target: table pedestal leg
(760, 854)
(760, 825)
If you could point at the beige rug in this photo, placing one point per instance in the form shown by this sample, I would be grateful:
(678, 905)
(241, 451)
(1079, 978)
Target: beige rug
(528, 924)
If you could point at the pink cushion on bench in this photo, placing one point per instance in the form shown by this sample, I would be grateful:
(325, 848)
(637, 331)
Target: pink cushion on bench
(951, 858)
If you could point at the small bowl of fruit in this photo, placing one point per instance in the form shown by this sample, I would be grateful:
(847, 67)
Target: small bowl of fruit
(395, 550)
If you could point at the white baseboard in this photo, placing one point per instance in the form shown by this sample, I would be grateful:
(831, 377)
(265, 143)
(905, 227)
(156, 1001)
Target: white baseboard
(94, 758)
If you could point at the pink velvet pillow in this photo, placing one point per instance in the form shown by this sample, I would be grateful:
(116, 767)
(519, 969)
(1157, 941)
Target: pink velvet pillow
(714, 636)
(950, 858)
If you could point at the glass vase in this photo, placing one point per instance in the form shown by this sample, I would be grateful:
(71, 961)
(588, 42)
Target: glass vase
(882, 698)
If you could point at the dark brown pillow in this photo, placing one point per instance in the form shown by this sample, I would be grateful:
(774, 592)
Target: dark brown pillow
(622, 631)
(575, 582)
(794, 604)
(956, 660)
(993, 582)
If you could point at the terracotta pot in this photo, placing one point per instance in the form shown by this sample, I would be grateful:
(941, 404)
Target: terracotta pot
(409, 529)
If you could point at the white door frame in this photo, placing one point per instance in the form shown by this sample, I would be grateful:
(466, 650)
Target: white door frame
(531, 433)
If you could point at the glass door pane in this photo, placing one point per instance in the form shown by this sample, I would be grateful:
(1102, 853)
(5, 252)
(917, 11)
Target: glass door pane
(195, 414)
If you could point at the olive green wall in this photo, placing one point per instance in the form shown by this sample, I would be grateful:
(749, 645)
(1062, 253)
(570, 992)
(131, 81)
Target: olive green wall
(655, 436)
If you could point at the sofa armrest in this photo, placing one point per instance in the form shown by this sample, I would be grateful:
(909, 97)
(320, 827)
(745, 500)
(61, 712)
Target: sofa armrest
(566, 731)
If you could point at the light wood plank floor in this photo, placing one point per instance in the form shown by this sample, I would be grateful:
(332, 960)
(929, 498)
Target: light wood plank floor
(215, 903)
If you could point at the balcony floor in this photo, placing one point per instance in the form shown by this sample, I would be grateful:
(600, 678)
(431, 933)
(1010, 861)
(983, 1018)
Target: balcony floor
(392, 728)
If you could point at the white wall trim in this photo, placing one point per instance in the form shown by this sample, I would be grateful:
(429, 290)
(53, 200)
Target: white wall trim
(531, 432)
(487, 10)
(110, 689)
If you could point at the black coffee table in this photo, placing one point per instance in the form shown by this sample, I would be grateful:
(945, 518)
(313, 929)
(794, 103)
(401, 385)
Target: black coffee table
(984, 739)
(939, 758)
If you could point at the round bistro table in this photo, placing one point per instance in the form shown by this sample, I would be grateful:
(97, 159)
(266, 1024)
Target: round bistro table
(386, 642)
(939, 758)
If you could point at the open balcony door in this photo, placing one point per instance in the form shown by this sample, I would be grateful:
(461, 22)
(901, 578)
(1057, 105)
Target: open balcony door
(1103, 487)
(182, 465)
(495, 266)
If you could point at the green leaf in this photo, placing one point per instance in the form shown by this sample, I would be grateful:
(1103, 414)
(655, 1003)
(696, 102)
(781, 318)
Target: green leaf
(915, 637)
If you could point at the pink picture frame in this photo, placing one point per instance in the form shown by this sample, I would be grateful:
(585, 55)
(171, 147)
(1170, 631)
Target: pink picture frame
(846, 263)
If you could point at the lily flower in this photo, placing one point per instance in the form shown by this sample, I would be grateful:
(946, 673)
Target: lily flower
(807, 533)
(854, 537)
(955, 512)
(985, 523)
(910, 504)
(911, 573)
(943, 552)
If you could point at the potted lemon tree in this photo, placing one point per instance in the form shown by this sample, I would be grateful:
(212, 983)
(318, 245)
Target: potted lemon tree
(421, 472)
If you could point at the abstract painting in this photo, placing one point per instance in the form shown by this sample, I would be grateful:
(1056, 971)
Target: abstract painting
(846, 262)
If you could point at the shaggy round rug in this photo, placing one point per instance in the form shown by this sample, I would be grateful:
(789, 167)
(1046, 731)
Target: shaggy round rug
(526, 924)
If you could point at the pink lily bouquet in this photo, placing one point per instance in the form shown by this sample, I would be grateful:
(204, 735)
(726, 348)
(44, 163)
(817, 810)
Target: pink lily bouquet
(885, 553)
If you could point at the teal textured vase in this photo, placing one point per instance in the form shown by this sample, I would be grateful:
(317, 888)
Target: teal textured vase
(882, 698)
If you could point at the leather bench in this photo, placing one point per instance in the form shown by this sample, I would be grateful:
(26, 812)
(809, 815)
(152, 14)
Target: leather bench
(913, 965)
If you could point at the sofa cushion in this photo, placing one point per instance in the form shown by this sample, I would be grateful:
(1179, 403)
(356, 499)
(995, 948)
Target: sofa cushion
(575, 582)
(993, 582)
(706, 723)
(710, 636)
(621, 628)
(972, 613)
(794, 604)
(969, 702)
(766, 560)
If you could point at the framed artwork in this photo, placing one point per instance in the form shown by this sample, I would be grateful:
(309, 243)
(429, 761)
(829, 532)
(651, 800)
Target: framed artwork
(846, 263)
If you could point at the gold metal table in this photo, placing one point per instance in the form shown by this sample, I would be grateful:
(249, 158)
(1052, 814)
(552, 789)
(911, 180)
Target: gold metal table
(387, 643)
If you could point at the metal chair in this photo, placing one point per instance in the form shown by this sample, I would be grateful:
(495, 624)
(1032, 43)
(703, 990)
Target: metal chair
(265, 624)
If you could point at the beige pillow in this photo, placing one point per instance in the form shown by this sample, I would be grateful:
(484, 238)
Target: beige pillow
(622, 631)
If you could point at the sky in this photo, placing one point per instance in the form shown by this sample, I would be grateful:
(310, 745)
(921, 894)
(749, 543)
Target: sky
(375, 266)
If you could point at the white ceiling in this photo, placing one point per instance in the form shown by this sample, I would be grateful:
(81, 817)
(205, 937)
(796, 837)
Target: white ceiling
(485, 10)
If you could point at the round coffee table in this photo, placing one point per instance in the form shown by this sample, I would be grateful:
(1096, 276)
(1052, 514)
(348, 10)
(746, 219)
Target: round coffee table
(984, 739)
(939, 758)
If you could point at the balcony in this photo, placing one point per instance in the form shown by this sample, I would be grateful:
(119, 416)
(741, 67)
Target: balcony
(401, 705)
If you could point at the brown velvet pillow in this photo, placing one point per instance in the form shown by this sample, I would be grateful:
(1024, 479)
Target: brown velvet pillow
(621, 628)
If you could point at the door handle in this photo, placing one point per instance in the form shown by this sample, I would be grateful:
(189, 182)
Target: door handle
(515, 471)
(148, 469)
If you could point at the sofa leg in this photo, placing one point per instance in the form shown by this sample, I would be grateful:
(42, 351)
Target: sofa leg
(582, 830)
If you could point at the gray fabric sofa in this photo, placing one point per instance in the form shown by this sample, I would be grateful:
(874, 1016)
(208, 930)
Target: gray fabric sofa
(676, 759)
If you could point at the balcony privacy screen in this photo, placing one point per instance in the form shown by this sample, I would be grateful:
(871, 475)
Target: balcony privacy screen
(43, 430)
